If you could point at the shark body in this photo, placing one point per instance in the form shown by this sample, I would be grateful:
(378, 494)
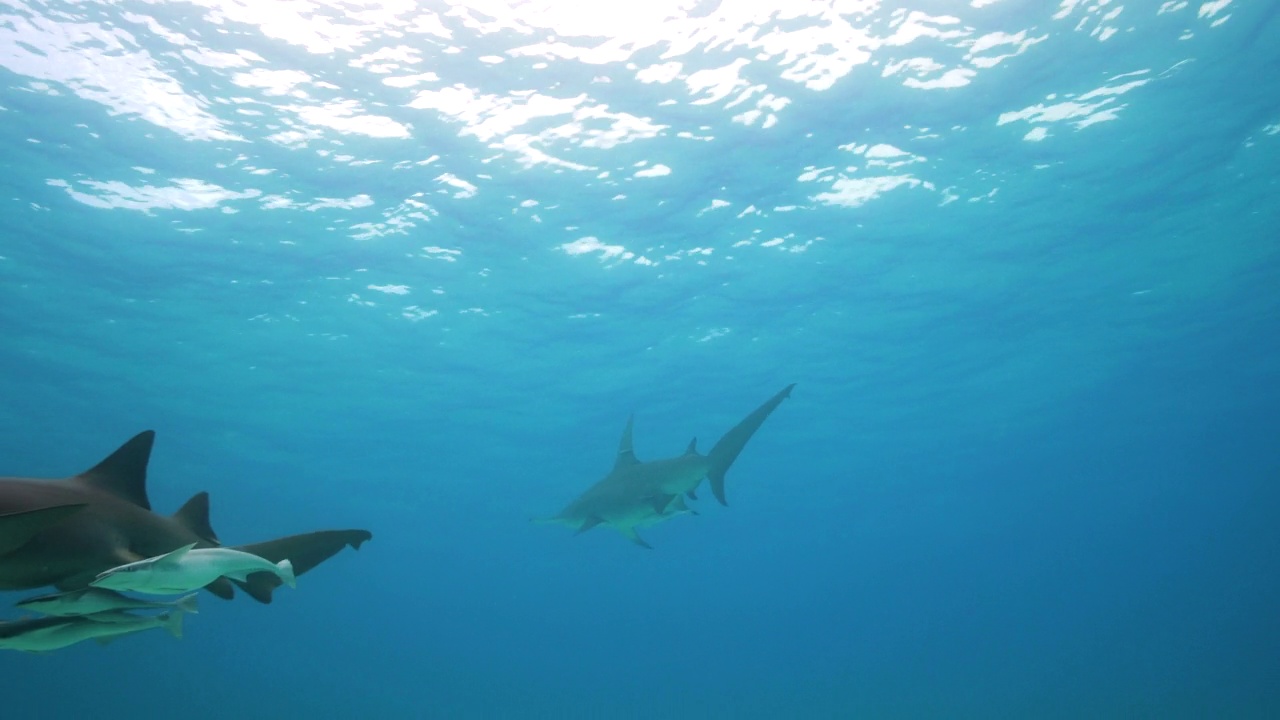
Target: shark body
(65, 532)
(90, 600)
(187, 569)
(51, 633)
(636, 494)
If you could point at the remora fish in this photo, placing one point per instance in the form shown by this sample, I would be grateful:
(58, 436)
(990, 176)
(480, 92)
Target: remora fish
(51, 633)
(635, 494)
(64, 532)
(90, 600)
(186, 569)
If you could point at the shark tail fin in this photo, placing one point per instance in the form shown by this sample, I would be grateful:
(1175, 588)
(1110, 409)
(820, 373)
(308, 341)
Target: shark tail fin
(172, 622)
(188, 604)
(727, 448)
(303, 551)
(286, 573)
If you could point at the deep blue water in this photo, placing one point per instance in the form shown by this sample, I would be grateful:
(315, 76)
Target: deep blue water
(409, 268)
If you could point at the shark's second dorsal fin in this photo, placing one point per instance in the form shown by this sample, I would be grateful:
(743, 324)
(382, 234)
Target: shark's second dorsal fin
(626, 456)
(693, 447)
(124, 472)
(194, 516)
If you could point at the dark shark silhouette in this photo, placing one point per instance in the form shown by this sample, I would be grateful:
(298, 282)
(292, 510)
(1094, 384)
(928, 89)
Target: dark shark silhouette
(64, 532)
(636, 494)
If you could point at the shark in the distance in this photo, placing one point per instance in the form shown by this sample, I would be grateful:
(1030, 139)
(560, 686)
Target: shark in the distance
(187, 569)
(65, 532)
(90, 600)
(637, 494)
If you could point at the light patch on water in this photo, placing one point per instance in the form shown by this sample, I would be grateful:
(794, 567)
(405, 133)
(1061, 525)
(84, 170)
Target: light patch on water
(464, 188)
(1013, 44)
(276, 202)
(592, 244)
(658, 170)
(661, 73)
(1097, 105)
(391, 289)
(351, 203)
(348, 118)
(1211, 9)
(408, 81)
(715, 205)
(415, 314)
(388, 59)
(439, 253)
(855, 192)
(183, 194)
(273, 82)
(106, 66)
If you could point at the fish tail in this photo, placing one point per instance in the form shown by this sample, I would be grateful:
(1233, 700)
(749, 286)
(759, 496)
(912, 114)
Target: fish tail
(188, 604)
(173, 623)
(285, 569)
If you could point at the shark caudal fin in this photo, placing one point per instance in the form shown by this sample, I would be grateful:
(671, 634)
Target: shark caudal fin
(727, 448)
(284, 569)
(172, 622)
(304, 552)
(188, 604)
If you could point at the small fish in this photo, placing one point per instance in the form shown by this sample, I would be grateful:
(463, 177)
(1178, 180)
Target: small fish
(90, 600)
(187, 569)
(43, 634)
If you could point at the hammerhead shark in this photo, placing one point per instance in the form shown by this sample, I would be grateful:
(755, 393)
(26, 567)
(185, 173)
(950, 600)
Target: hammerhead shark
(65, 532)
(636, 494)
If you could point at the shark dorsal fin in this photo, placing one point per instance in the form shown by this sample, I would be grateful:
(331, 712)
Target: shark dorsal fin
(194, 516)
(626, 456)
(124, 472)
(693, 447)
(175, 556)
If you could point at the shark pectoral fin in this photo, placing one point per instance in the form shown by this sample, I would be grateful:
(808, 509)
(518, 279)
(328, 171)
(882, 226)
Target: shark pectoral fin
(634, 537)
(194, 516)
(660, 503)
(303, 551)
(222, 587)
(259, 585)
(678, 506)
(17, 529)
(588, 524)
(124, 472)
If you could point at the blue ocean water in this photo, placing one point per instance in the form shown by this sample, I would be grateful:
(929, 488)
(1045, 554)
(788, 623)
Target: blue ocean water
(410, 266)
